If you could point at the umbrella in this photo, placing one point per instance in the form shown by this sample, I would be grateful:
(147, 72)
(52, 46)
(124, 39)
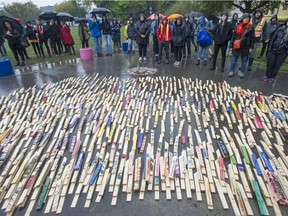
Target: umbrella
(174, 16)
(196, 14)
(151, 17)
(13, 23)
(64, 16)
(47, 15)
(18, 20)
(100, 11)
(78, 20)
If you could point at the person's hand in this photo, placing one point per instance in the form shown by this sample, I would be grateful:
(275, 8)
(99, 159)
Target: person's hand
(8, 33)
(250, 50)
(267, 41)
(143, 36)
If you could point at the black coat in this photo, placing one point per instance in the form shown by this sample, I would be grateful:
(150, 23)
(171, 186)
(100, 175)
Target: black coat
(30, 32)
(54, 31)
(131, 32)
(179, 34)
(106, 27)
(279, 41)
(115, 29)
(142, 28)
(188, 28)
(222, 34)
(14, 39)
(1, 40)
(246, 44)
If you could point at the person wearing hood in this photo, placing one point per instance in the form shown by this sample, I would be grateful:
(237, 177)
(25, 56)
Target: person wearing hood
(203, 26)
(234, 20)
(95, 30)
(242, 44)
(31, 33)
(277, 52)
(271, 28)
(131, 33)
(154, 26)
(142, 37)
(188, 34)
(259, 24)
(106, 32)
(194, 25)
(83, 33)
(222, 34)
(178, 35)
(115, 29)
(164, 36)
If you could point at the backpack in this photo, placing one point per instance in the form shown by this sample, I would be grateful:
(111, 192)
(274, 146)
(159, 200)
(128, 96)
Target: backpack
(203, 38)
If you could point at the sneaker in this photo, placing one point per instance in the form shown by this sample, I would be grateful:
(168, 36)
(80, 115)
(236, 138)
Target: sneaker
(175, 63)
(271, 80)
(178, 64)
(241, 74)
(140, 59)
(144, 59)
(167, 61)
(231, 73)
(265, 78)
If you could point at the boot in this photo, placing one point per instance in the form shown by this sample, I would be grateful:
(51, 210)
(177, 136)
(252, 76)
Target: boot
(17, 64)
(222, 69)
(198, 62)
(250, 62)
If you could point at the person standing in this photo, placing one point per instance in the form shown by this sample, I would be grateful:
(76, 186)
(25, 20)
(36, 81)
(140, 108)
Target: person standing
(244, 36)
(154, 26)
(142, 37)
(271, 28)
(30, 32)
(277, 52)
(222, 34)
(106, 31)
(164, 36)
(66, 37)
(83, 33)
(194, 27)
(131, 34)
(95, 30)
(178, 40)
(43, 37)
(188, 34)
(14, 42)
(204, 39)
(233, 22)
(55, 40)
(115, 29)
(259, 24)
(2, 47)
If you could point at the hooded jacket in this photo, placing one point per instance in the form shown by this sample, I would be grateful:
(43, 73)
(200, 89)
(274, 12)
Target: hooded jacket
(131, 32)
(234, 21)
(272, 27)
(222, 32)
(105, 27)
(142, 28)
(94, 28)
(154, 26)
(259, 26)
(178, 33)
(164, 32)
(30, 32)
(189, 29)
(279, 42)
(115, 30)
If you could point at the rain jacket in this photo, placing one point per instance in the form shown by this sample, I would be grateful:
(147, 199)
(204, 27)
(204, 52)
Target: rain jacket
(164, 32)
(66, 36)
(115, 30)
(271, 28)
(142, 28)
(178, 33)
(279, 41)
(105, 27)
(222, 33)
(94, 28)
(131, 32)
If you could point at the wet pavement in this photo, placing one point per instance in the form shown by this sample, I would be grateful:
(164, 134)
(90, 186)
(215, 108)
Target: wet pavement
(118, 65)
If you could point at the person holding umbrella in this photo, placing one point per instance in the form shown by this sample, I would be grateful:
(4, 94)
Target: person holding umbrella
(66, 37)
(116, 34)
(142, 37)
(54, 33)
(131, 32)
(84, 34)
(95, 30)
(30, 32)
(106, 31)
(43, 37)
(13, 37)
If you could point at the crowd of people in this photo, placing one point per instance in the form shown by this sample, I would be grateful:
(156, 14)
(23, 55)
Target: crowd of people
(240, 37)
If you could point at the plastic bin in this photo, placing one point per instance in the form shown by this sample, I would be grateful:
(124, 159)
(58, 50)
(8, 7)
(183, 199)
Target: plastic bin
(6, 68)
(125, 46)
(86, 53)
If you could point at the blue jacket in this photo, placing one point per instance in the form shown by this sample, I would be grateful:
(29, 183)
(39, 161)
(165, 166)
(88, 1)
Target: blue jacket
(94, 28)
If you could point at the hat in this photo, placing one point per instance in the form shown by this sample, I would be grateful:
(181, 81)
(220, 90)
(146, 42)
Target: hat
(259, 10)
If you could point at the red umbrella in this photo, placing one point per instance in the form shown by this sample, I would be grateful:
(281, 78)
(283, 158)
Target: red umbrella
(151, 17)
(18, 20)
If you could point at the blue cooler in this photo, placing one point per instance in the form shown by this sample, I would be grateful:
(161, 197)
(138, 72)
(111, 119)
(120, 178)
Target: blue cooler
(6, 68)
(125, 46)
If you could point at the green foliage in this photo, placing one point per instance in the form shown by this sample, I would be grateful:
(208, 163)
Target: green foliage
(248, 6)
(70, 7)
(27, 12)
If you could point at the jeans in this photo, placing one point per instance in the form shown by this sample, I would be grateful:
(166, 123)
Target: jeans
(142, 50)
(131, 45)
(166, 46)
(206, 52)
(107, 39)
(274, 62)
(187, 43)
(3, 49)
(178, 52)
(223, 48)
(243, 62)
(97, 44)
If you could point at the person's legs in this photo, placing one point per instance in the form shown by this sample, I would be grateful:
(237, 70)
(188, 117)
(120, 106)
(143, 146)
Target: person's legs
(280, 58)
(161, 46)
(83, 43)
(184, 47)
(99, 45)
(47, 47)
(264, 45)
(144, 51)
(200, 50)
(180, 52)
(95, 44)
(176, 52)
(34, 48)
(223, 52)
(15, 53)
(243, 63)
(38, 48)
(1, 50)
(188, 41)
(41, 47)
(59, 47)
(271, 59)
(87, 43)
(206, 53)
(216, 51)
(20, 51)
(155, 47)
(251, 56)
(140, 50)
(194, 43)
(129, 45)
(233, 63)
(166, 45)
(109, 44)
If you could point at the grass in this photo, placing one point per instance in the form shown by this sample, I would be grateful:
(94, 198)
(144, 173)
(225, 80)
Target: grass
(261, 63)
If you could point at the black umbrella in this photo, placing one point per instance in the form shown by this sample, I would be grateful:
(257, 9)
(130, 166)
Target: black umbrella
(78, 20)
(64, 17)
(196, 14)
(100, 11)
(47, 15)
(12, 22)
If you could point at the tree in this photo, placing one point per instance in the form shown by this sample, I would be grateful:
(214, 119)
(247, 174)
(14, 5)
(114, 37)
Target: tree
(248, 6)
(70, 7)
(27, 12)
